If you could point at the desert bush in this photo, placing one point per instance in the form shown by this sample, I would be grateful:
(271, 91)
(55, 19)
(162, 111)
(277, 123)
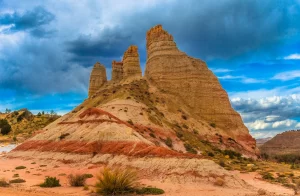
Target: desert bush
(88, 175)
(5, 127)
(288, 158)
(18, 180)
(267, 176)
(210, 154)
(213, 125)
(195, 131)
(169, 142)
(189, 148)
(116, 181)
(130, 121)
(20, 167)
(152, 135)
(232, 153)
(219, 182)
(3, 183)
(62, 136)
(76, 180)
(50, 182)
(15, 175)
(149, 191)
(222, 163)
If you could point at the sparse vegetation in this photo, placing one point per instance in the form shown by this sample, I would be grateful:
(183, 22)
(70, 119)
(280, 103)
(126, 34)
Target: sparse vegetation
(18, 180)
(3, 183)
(169, 142)
(149, 191)
(88, 175)
(76, 180)
(20, 167)
(116, 181)
(213, 125)
(62, 136)
(50, 182)
(5, 127)
(189, 148)
(130, 121)
(152, 135)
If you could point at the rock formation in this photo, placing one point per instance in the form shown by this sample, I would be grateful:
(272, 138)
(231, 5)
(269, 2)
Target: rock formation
(97, 78)
(117, 71)
(192, 84)
(284, 143)
(131, 63)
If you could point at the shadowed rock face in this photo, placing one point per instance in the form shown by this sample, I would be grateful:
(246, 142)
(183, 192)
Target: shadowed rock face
(117, 71)
(283, 143)
(192, 84)
(131, 63)
(97, 78)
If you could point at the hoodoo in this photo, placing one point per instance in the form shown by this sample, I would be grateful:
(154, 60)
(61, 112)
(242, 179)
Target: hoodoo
(131, 63)
(190, 82)
(117, 71)
(97, 78)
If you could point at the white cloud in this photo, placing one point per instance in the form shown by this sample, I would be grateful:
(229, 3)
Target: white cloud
(288, 75)
(220, 70)
(242, 79)
(292, 57)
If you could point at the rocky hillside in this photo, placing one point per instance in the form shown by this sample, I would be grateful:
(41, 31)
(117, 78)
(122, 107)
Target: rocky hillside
(284, 143)
(261, 141)
(164, 123)
(24, 124)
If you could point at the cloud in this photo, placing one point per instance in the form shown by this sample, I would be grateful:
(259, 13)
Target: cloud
(288, 75)
(29, 20)
(242, 79)
(292, 57)
(220, 70)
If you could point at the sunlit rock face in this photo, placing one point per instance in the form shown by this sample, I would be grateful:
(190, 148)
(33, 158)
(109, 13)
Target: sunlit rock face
(97, 78)
(131, 63)
(193, 85)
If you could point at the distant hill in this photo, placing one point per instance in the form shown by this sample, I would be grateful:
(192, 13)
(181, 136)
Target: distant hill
(284, 143)
(24, 124)
(261, 141)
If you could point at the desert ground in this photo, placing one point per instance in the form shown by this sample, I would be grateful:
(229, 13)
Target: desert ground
(37, 170)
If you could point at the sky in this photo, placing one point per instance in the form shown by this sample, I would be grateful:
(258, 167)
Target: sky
(48, 48)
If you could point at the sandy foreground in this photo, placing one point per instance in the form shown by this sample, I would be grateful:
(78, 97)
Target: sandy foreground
(35, 172)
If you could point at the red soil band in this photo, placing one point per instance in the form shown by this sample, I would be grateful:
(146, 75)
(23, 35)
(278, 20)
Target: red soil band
(137, 149)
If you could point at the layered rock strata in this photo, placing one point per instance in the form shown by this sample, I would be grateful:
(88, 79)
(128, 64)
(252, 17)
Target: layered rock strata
(131, 63)
(97, 78)
(284, 143)
(117, 71)
(193, 85)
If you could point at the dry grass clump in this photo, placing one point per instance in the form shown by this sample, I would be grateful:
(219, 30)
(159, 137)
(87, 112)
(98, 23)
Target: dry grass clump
(17, 180)
(116, 181)
(50, 182)
(219, 182)
(77, 180)
(3, 183)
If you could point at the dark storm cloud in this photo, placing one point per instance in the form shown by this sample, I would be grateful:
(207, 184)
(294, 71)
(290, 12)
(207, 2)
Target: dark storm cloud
(30, 20)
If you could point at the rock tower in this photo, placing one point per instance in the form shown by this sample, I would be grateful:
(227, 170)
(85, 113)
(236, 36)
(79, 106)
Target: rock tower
(97, 78)
(131, 63)
(117, 71)
(190, 82)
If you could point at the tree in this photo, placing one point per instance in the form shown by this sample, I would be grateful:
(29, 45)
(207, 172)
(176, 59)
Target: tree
(52, 113)
(5, 128)
(39, 114)
(7, 111)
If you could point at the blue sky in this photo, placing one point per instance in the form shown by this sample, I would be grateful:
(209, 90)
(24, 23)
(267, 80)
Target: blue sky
(47, 50)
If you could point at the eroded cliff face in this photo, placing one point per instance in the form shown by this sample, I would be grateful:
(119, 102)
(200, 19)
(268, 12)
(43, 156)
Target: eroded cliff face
(193, 85)
(117, 71)
(131, 63)
(97, 79)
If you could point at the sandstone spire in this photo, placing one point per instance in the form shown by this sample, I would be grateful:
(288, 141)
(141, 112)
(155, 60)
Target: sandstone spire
(117, 71)
(192, 84)
(97, 78)
(131, 63)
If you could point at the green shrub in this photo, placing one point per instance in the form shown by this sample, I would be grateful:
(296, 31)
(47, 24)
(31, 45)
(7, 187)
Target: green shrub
(20, 167)
(149, 191)
(116, 181)
(169, 142)
(189, 148)
(130, 121)
(210, 154)
(152, 135)
(76, 180)
(213, 125)
(5, 127)
(222, 163)
(267, 176)
(195, 131)
(232, 153)
(18, 180)
(15, 175)
(50, 182)
(3, 183)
